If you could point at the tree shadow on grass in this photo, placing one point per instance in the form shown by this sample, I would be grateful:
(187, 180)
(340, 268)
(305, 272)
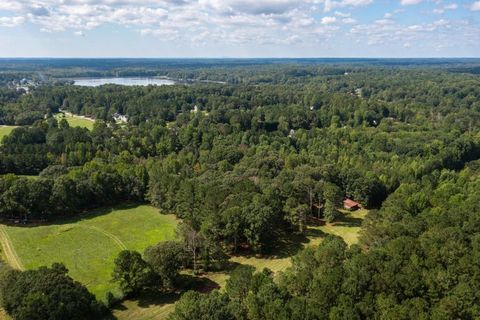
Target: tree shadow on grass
(283, 244)
(77, 217)
(348, 221)
(289, 244)
(158, 299)
(200, 283)
(186, 282)
(149, 299)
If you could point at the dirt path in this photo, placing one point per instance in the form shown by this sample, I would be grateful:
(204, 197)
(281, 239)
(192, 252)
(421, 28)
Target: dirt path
(10, 253)
(108, 234)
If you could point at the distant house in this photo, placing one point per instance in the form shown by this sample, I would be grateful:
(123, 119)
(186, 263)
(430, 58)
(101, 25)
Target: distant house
(120, 117)
(358, 92)
(349, 204)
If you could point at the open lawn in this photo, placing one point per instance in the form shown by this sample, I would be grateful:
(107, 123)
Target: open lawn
(88, 246)
(5, 130)
(276, 259)
(76, 121)
(348, 227)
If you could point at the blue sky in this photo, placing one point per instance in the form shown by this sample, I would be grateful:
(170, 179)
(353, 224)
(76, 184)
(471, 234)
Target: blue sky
(239, 28)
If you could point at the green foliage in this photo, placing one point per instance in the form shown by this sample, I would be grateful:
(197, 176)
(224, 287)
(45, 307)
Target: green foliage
(132, 273)
(166, 259)
(197, 306)
(47, 293)
(238, 285)
(330, 212)
(59, 192)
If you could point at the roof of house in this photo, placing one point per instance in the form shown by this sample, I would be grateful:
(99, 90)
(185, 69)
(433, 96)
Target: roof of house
(349, 203)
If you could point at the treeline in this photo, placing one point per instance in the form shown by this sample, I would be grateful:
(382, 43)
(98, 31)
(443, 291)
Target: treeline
(60, 191)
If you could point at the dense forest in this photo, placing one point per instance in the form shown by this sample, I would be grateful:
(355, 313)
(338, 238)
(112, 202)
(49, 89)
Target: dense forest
(278, 145)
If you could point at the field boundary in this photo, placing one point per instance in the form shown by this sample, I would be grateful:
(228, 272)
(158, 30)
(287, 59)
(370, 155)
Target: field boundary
(10, 253)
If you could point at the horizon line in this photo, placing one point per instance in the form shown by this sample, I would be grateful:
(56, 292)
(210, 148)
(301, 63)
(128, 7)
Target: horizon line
(238, 58)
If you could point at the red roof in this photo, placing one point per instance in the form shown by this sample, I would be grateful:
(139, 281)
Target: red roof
(349, 203)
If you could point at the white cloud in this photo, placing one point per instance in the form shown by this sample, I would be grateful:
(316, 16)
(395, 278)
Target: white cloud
(331, 4)
(410, 2)
(329, 20)
(163, 34)
(342, 14)
(451, 6)
(349, 20)
(223, 22)
(384, 21)
(11, 21)
(475, 6)
(437, 35)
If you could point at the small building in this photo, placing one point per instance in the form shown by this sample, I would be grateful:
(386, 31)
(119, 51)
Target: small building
(349, 204)
(359, 92)
(120, 118)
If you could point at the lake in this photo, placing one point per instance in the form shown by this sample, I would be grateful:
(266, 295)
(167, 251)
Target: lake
(95, 82)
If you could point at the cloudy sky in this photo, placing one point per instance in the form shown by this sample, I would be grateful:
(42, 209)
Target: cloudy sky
(239, 28)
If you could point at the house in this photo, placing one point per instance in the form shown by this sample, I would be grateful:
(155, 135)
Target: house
(120, 118)
(358, 92)
(349, 204)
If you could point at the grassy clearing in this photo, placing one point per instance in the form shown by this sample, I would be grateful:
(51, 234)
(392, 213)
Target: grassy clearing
(89, 246)
(76, 121)
(147, 308)
(278, 259)
(348, 227)
(5, 130)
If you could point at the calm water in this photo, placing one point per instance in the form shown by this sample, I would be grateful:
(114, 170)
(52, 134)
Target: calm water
(95, 82)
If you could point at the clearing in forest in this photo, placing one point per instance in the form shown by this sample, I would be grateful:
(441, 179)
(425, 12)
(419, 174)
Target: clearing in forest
(88, 245)
(76, 121)
(5, 130)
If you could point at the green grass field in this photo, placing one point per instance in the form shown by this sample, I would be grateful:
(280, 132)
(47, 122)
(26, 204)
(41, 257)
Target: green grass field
(89, 246)
(5, 130)
(76, 121)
